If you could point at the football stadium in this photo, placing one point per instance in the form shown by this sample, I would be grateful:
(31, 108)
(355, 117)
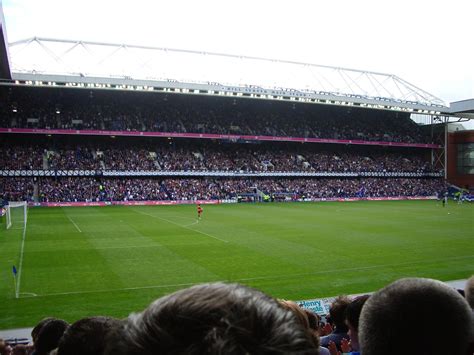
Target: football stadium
(134, 173)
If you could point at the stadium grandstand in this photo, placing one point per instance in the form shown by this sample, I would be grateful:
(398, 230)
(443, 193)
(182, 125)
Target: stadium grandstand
(90, 124)
(246, 120)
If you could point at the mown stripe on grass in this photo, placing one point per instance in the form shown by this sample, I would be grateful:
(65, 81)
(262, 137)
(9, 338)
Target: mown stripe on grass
(274, 277)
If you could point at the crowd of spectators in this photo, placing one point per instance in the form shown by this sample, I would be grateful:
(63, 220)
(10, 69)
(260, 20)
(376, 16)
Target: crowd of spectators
(84, 189)
(21, 158)
(218, 318)
(209, 157)
(347, 188)
(49, 108)
(17, 189)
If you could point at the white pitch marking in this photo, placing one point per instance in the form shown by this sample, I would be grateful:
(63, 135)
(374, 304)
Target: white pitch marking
(75, 225)
(180, 225)
(114, 290)
(192, 224)
(182, 217)
(31, 294)
(275, 277)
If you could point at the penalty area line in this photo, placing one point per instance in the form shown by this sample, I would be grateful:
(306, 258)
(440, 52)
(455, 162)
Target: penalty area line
(75, 225)
(180, 225)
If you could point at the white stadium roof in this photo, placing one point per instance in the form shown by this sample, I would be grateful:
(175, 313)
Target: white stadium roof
(40, 58)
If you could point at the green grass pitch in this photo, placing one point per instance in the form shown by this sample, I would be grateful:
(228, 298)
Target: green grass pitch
(78, 262)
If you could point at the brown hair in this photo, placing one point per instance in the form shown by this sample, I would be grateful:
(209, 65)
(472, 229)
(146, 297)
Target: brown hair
(213, 318)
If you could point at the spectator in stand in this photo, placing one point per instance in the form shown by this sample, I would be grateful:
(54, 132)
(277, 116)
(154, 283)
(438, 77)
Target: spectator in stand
(49, 335)
(37, 328)
(415, 316)
(213, 319)
(21, 349)
(352, 316)
(302, 318)
(338, 327)
(314, 326)
(5, 348)
(87, 336)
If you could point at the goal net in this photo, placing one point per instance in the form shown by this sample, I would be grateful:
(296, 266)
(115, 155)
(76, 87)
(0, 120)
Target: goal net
(16, 215)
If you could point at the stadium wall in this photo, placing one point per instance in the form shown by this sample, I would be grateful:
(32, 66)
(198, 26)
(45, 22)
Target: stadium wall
(453, 176)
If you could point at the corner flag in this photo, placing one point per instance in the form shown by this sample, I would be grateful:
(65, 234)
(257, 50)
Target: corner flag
(14, 271)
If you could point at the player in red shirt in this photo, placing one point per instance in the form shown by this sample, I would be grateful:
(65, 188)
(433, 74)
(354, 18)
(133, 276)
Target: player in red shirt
(199, 209)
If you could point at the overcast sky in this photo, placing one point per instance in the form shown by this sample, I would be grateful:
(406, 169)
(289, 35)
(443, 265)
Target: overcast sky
(427, 43)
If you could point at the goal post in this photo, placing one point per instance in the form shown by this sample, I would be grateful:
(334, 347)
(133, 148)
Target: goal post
(16, 215)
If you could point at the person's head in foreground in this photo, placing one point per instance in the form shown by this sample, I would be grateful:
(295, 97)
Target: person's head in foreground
(35, 331)
(49, 335)
(469, 291)
(302, 317)
(213, 318)
(86, 336)
(415, 316)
